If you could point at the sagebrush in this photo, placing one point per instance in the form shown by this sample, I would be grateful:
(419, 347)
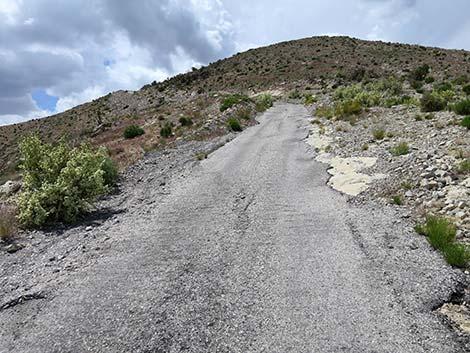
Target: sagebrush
(61, 182)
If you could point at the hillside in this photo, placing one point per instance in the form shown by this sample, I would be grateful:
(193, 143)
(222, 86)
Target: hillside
(301, 64)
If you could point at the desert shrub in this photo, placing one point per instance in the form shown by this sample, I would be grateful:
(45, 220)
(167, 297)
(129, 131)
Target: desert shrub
(461, 80)
(133, 131)
(230, 101)
(417, 85)
(432, 102)
(465, 122)
(443, 86)
(390, 86)
(401, 149)
(8, 225)
(185, 121)
(295, 94)
(347, 92)
(166, 131)
(310, 99)
(397, 200)
(60, 182)
(234, 124)
(357, 74)
(263, 102)
(462, 107)
(464, 166)
(348, 108)
(324, 112)
(429, 79)
(378, 134)
(368, 99)
(466, 89)
(420, 72)
(457, 255)
(440, 232)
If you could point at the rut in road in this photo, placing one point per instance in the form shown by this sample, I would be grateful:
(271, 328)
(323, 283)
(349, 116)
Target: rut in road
(251, 252)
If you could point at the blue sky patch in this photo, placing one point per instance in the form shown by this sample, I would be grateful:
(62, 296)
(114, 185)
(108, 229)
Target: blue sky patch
(44, 101)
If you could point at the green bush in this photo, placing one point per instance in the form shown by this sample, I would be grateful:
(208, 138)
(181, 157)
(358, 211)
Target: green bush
(443, 86)
(295, 94)
(457, 255)
(310, 99)
(324, 112)
(397, 200)
(432, 102)
(166, 131)
(60, 182)
(461, 80)
(263, 102)
(185, 121)
(133, 131)
(230, 101)
(378, 134)
(464, 166)
(234, 124)
(401, 149)
(429, 79)
(441, 235)
(420, 73)
(348, 108)
(440, 232)
(462, 107)
(465, 122)
(466, 89)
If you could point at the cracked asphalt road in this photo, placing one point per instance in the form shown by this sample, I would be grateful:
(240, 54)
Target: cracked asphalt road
(250, 252)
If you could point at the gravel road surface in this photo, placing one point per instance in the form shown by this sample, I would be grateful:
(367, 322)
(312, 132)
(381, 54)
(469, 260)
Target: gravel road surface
(249, 251)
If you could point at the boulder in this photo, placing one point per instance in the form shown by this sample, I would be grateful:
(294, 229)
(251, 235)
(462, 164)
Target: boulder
(9, 188)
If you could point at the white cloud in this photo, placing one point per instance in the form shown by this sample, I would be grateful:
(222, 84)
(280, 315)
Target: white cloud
(78, 50)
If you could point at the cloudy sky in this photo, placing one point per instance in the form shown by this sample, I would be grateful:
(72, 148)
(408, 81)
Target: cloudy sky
(55, 54)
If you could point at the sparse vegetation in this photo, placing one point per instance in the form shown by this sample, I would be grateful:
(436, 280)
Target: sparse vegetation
(407, 185)
(234, 124)
(201, 156)
(462, 107)
(133, 131)
(441, 235)
(378, 134)
(8, 224)
(432, 102)
(465, 122)
(166, 131)
(264, 102)
(60, 182)
(401, 149)
(324, 112)
(464, 167)
(466, 89)
(310, 99)
(295, 94)
(184, 121)
(232, 100)
(347, 109)
(397, 200)
(420, 73)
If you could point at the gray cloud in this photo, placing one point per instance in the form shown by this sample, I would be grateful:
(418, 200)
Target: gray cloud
(61, 47)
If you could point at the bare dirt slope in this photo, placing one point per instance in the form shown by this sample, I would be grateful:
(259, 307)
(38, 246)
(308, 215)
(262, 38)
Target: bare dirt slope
(248, 251)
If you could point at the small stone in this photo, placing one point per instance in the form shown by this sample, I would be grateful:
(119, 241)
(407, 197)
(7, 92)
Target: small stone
(89, 228)
(12, 248)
